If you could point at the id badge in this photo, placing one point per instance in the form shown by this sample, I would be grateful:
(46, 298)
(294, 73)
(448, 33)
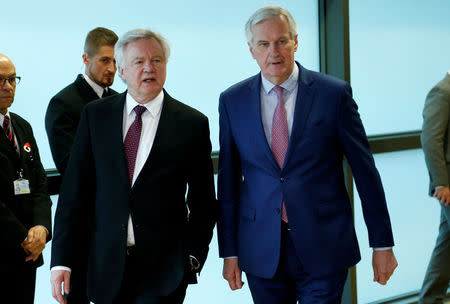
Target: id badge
(21, 186)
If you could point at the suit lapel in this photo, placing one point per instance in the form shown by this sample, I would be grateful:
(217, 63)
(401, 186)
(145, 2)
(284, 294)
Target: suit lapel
(6, 147)
(115, 120)
(20, 134)
(254, 113)
(305, 98)
(164, 134)
(86, 91)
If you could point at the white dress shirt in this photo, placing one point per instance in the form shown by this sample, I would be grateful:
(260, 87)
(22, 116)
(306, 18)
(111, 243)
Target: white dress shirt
(150, 120)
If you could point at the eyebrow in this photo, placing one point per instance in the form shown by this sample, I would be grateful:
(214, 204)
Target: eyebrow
(8, 76)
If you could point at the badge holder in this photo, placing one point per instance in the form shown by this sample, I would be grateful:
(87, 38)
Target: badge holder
(21, 185)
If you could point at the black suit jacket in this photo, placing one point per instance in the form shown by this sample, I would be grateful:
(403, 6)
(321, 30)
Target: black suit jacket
(97, 179)
(63, 116)
(18, 213)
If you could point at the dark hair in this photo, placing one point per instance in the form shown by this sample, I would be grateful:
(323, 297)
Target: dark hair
(97, 38)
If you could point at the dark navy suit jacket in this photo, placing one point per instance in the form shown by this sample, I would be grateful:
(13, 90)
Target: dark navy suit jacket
(251, 186)
(177, 175)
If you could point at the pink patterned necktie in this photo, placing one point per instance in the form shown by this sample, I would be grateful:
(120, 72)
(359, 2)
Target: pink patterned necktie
(8, 131)
(131, 142)
(280, 137)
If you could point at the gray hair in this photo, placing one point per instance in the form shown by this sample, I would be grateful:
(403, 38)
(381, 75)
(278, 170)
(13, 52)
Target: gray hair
(265, 13)
(138, 34)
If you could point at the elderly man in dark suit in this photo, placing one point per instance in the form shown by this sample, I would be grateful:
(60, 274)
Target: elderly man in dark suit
(135, 155)
(436, 146)
(25, 207)
(285, 215)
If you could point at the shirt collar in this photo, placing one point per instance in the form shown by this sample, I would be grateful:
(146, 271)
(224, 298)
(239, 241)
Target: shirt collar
(97, 88)
(2, 117)
(153, 106)
(289, 84)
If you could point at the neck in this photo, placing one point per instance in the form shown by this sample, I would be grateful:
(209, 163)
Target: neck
(144, 99)
(93, 80)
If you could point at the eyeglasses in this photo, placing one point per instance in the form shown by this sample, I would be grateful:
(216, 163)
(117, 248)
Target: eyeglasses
(12, 80)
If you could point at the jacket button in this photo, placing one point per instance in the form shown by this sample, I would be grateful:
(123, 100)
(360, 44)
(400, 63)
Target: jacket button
(282, 179)
(277, 210)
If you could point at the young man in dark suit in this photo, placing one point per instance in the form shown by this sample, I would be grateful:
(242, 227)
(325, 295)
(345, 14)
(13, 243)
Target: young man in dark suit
(64, 109)
(25, 207)
(141, 165)
(63, 115)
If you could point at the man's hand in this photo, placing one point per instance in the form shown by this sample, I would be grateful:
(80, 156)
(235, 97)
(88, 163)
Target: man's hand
(443, 195)
(232, 273)
(35, 242)
(384, 264)
(57, 278)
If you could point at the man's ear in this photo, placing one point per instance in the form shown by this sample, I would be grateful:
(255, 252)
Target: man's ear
(120, 70)
(251, 49)
(296, 43)
(86, 58)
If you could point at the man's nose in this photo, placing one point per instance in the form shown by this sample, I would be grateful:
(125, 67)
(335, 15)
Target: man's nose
(273, 49)
(111, 67)
(5, 85)
(149, 67)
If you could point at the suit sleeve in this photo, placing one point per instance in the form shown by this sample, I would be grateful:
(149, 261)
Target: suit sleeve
(434, 135)
(228, 186)
(75, 203)
(59, 125)
(368, 182)
(201, 196)
(12, 232)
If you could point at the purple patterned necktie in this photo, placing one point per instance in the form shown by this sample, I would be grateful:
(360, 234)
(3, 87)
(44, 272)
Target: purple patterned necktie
(280, 137)
(8, 131)
(131, 142)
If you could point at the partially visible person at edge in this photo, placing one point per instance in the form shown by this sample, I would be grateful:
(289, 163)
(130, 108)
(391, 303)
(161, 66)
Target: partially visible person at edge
(25, 207)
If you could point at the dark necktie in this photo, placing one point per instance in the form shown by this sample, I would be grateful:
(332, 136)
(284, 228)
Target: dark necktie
(105, 93)
(8, 131)
(131, 142)
(280, 137)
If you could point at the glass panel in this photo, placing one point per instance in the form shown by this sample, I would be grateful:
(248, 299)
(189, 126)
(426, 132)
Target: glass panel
(398, 51)
(209, 51)
(415, 219)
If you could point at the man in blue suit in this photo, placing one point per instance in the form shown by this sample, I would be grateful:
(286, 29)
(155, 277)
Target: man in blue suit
(285, 215)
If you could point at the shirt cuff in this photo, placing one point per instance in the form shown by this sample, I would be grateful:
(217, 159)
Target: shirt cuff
(61, 268)
(381, 248)
(230, 257)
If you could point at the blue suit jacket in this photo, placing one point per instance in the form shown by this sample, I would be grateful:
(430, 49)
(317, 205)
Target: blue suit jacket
(251, 186)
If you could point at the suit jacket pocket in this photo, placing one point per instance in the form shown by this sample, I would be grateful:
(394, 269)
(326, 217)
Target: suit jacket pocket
(319, 127)
(331, 208)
